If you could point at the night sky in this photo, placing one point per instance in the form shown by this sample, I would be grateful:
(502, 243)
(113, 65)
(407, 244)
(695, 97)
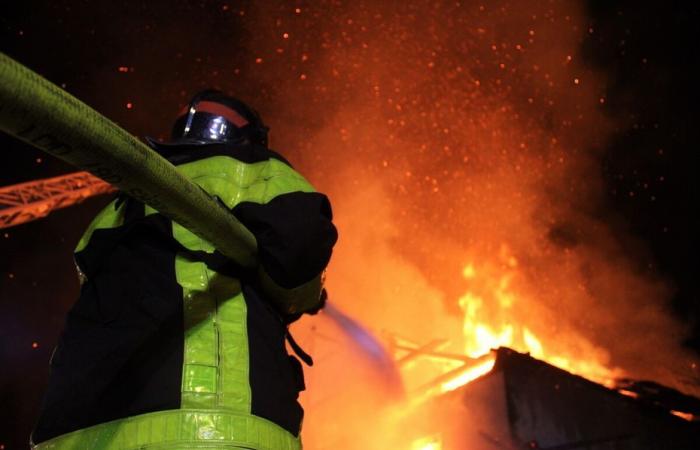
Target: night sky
(139, 62)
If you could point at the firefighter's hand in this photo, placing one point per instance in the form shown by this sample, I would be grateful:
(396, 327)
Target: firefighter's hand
(307, 298)
(321, 303)
(293, 317)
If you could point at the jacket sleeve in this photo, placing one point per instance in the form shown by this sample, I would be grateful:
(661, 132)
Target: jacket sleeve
(291, 222)
(295, 235)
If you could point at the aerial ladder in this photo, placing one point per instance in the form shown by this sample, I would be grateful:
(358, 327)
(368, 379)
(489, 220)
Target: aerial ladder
(32, 200)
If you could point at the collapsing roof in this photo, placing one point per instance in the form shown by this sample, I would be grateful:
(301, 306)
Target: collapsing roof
(524, 403)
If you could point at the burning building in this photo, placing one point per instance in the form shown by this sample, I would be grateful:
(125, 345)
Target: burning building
(462, 145)
(524, 403)
(501, 400)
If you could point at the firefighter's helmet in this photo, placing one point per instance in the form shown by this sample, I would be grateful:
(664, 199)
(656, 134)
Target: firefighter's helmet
(214, 117)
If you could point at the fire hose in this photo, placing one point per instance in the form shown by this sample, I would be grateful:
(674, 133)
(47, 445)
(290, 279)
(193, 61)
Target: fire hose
(45, 116)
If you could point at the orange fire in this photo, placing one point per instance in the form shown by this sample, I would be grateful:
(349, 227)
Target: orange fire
(462, 158)
(429, 443)
(490, 322)
(491, 319)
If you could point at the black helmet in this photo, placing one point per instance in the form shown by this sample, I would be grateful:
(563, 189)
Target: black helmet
(213, 117)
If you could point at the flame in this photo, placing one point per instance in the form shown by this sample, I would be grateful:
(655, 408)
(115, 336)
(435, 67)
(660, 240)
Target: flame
(683, 415)
(470, 374)
(628, 393)
(427, 443)
(493, 317)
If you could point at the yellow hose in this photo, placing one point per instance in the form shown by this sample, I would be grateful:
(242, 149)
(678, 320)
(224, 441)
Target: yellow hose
(40, 113)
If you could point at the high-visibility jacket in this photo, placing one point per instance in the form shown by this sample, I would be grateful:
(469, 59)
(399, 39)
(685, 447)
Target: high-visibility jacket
(170, 344)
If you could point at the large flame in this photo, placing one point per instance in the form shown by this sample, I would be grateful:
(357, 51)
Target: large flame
(492, 319)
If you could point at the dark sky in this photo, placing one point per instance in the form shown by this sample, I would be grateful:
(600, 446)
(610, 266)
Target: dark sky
(154, 55)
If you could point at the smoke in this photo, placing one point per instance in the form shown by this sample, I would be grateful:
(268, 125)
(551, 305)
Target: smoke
(456, 134)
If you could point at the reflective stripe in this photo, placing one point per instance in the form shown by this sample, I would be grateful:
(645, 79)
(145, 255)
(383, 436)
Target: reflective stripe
(234, 389)
(178, 429)
(216, 358)
(221, 110)
(234, 181)
(200, 372)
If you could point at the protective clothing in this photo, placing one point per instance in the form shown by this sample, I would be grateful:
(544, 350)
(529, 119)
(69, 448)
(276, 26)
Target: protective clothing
(171, 345)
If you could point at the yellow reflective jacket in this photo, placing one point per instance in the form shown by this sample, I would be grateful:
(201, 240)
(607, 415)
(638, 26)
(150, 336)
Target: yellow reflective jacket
(170, 344)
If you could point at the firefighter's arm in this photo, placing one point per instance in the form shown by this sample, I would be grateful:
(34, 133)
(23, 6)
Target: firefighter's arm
(295, 236)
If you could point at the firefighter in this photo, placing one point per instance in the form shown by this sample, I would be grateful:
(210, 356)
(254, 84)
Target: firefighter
(171, 344)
